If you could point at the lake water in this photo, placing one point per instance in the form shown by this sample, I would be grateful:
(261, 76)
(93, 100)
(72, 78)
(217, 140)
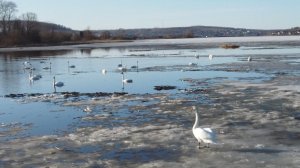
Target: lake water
(87, 75)
(155, 67)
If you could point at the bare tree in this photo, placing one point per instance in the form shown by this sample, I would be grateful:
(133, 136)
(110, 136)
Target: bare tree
(29, 22)
(7, 13)
(105, 35)
(188, 34)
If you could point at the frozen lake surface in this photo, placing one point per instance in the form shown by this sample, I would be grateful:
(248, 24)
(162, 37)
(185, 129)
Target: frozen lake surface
(156, 67)
(226, 85)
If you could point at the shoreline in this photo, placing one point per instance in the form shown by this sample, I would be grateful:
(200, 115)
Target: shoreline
(194, 42)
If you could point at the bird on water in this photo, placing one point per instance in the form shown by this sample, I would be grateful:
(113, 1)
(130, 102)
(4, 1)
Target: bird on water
(124, 80)
(57, 84)
(249, 59)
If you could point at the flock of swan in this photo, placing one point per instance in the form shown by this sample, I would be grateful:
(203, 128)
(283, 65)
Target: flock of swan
(28, 66)
(123, 69)
(204, 136)
(120, 67)
(210, 57)
(32, 77)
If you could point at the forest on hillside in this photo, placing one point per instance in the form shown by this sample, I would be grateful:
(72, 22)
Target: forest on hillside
(25, 29)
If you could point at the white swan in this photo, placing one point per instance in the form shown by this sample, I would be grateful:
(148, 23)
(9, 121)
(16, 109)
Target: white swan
(46, 68)
(58, 84)
(203, 135)
(104, 71)
(249, 59)
(192, 64)
(34, 77)
(122, 69)
(71, 66)
(126, 80)
(87, 109)
(120, 65)
(27, 65)
(135, 66)
(210, 56)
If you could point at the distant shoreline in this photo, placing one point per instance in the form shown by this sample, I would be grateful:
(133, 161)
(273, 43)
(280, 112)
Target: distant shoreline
(194, 42)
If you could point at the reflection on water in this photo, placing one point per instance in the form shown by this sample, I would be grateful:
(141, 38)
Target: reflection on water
(87, 76)
(30, 54)
(41, 118)
(86, 51)
(155, 67)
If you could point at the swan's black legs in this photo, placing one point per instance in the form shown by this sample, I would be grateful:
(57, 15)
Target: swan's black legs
(205, 146)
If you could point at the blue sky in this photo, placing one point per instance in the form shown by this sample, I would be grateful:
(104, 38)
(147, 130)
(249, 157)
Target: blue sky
(114, 14)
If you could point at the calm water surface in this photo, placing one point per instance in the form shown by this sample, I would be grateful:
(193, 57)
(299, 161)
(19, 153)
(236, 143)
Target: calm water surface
(87, 76)
(168, 67)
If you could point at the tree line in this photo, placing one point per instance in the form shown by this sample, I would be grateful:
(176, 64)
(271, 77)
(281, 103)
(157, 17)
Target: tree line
(25, 29)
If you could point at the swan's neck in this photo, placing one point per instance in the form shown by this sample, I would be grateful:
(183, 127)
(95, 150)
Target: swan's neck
(196, 124)
(30, 74)
(122, 76)
(53, 81)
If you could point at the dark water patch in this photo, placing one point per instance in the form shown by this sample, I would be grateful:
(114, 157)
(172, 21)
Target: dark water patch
(280, 73)
(260, 150)
(250, 91)
(80, 72)
(272, 105)
(197, 91)
(20, 95)
(287, 137)
(143, 155)
(297, 115)
(88, 149)
(239, 124)
(83, 149)
(67, 94)
(252, 79)
(166, 87)
(96, 94)
(14, 95)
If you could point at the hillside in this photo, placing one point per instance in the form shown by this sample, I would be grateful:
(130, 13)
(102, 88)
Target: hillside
(193, 31)
(44, 26)
(22, 33)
